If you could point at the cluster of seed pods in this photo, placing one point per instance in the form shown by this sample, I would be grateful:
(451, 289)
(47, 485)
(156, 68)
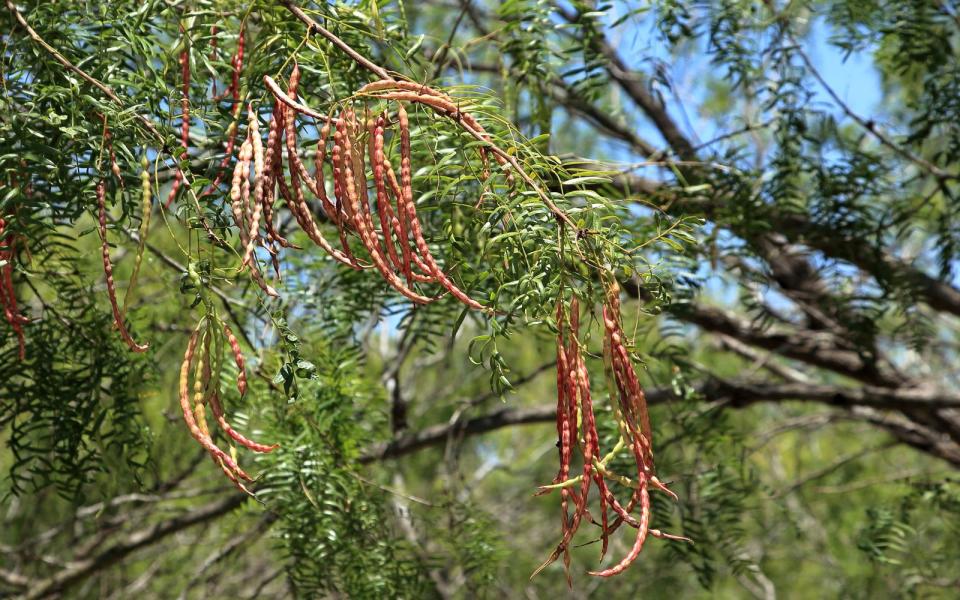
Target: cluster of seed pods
(577, 430)
(8, 299)
(203, 357)
(394, 243)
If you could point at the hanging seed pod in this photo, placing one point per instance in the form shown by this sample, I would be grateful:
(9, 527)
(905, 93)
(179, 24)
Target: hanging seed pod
(226, 463)
(402, 227)
(240, 188)
(319, 180)
(300, 209)
(146, 207)
(343, 170)
(375, 143)
(236, 436)
(442, 103)
(253, 233)
(184, 115)
(108, 271)
(8, 298)
(411, 214)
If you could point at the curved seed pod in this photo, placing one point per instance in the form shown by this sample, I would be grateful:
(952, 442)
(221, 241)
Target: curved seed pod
(375, 147)
(447, 105)
(358, 168)
(305, 219)
(146, 206)
(381, 167)
(411, 214)
(402, 227)
(319, 179)
(578, 391)
(357, 164)
(257, 277)
(314, 183)
(108, 270)
(343, 209)
(239, 203)
(273, 162)
(298, 206)
(591, 437)
(642, 531)
(229, 466)
(238, 359)
(343, 169)
(636, 405)
(233, 433)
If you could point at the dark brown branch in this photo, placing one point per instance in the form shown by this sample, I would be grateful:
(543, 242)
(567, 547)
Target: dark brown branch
(633, 84)
(820, 349)
(77, 571)
(734, 394)
(314, 27)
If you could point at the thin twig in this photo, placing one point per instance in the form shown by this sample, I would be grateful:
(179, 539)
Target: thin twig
(313, 26)
(107, 90)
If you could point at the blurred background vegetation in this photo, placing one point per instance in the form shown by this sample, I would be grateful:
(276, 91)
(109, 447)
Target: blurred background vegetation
(783, 176)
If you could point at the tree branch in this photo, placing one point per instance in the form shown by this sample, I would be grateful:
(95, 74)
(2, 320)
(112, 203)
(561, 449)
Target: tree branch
(107, 91)
(735, 394)
(77, 571)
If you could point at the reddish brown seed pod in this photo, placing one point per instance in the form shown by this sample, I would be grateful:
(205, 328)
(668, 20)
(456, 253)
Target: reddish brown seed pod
(345, 220)
(184, 118)
(232, 433)
(238, 359)
(305, 219)
(375, 144)
(229, 466)
(320, 181)
(8, 298)
(343, 169)
(443, 103)
(642, 531)
(315, 183)
(298, 206)
(406, 181)
(402, 227)
(108, 270)
(276, 178)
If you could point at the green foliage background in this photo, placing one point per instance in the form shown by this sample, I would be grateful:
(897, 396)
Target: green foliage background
(796, 495)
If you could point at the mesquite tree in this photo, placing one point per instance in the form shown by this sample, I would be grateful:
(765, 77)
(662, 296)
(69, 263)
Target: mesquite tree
(260, 261)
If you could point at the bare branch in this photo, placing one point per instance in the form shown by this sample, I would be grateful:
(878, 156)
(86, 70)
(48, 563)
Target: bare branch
(78, 571)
